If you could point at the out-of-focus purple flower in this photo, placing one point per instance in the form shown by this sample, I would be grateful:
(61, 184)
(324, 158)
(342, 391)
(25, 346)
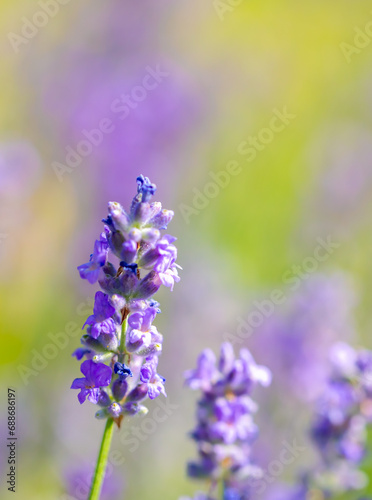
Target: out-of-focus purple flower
(339, 427)
(96, 375)
(101, 322)
(339, 202)
(78, 482)
(225, 427)
(205, 373)
(301, 334)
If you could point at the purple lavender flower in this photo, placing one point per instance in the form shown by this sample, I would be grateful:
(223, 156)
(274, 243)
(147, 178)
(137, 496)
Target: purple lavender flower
(300, 336)
(142, 334)
(339, 427)
(149, 376)
(91, 270)
(96, 375)
(226, 430)
(78, 480)
(80, 352)
(120, 330)
(101, 321)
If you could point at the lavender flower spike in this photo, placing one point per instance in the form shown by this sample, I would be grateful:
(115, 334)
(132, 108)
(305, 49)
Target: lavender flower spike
(131, 261)
(226, 430)
(339, 428)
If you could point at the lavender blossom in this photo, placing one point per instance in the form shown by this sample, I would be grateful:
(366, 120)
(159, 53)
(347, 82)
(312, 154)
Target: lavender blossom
(343, 412)
(120, 330)
(226, 430)
(301, 334)
(97, 375)
(78, 480)
(339, 428)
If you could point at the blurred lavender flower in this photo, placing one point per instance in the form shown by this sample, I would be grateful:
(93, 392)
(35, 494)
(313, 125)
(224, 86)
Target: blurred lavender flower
(300, 337)
(339, 203)
(20, 173)
(78, 481)
(339, 428)
(149, 115)
(225, 429)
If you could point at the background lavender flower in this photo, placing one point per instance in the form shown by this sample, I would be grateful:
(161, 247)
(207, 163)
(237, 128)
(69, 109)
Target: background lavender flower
(300, 334)
(225, 430)
(342, 414)
(342, 192)
(78, 480)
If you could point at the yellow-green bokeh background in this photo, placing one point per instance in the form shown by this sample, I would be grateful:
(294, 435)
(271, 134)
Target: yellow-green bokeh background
(262, 55)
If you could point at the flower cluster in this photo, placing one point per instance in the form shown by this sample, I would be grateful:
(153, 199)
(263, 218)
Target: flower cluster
(225, 429)
(339, 428)
(121, 345)
(340, 425)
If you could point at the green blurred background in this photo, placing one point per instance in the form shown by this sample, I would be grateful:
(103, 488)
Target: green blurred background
(229, 67)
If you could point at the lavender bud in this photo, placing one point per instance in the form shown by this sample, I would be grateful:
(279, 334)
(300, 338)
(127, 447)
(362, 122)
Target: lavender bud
(92, 343)
(162, 219)
(119, 389)
(109, 269)
(101, 414)
(142, 213)
(119, 217)
(135, 234)
(102, 358)
(148, 286)
(150, 235)
(114, 409)
(148, 258)
(134, 409)
(129, 251)
(109, 342)
(104, 399)
(152, 349)
(128, 282)
(139, 393)
(116, 240)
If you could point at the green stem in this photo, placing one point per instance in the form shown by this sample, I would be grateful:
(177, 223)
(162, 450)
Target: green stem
(122, 340)
(99, 473)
